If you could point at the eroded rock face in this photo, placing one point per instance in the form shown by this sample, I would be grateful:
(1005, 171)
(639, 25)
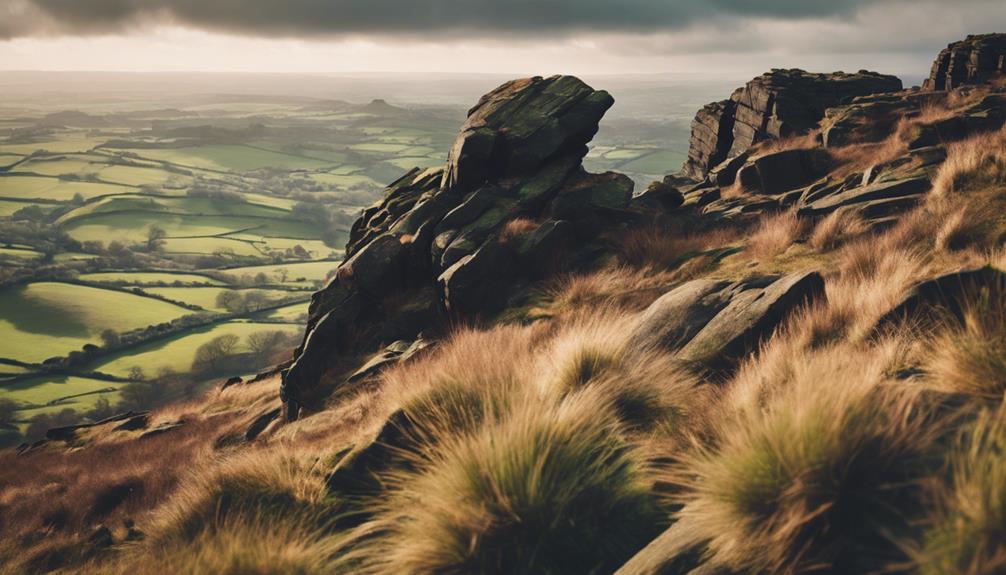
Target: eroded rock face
(777, 104)
(713, 322)
(974, 60)
(457, 241)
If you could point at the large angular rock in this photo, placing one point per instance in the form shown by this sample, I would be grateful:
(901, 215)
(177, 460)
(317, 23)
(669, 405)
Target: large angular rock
(823, 204)
(777, 104)
(785, 170)
(712, 138)
(712, 323)
(438, 242)
(945, 296)
(752, 315)
(974, 60)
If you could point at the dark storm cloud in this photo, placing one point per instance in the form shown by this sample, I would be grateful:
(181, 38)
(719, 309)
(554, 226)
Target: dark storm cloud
(402, 17)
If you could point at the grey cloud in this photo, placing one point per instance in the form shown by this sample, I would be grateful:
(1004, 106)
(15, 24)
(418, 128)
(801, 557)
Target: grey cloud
(410, 17)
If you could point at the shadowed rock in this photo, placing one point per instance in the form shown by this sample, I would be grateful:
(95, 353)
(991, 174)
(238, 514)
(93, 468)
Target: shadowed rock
(437, 245)
(974, 60)
(711, 323)
(777, 104)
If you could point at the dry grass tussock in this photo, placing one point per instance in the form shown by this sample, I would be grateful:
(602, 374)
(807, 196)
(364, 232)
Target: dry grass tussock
(836, 228)
(966, 524)
(618, 286)
(973, 164)
(536, 464)
(663, 249)
(969, 357)
(775, 234)
(819, 457)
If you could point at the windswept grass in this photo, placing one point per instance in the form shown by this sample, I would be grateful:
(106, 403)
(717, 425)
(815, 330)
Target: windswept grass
(815, 473)
(775, 234)
(970, 357)
(553, 488)
(966, 530)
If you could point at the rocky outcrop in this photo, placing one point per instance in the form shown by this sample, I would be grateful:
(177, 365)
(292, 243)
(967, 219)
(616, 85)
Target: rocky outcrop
(777, 104)
(461, 240)
(974, 60)
(713, 322)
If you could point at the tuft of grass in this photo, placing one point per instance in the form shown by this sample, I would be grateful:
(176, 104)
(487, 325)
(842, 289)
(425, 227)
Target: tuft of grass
(970, 357)
(555, 487)
(814, 472)
(251, 545)
(836, 228)
(974, 164)
(665, 248)
(966, 531)
(257, 483)
(775, 234)
(648, 389)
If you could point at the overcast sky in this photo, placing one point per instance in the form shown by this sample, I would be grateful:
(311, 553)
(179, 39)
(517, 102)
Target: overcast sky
(494, 36)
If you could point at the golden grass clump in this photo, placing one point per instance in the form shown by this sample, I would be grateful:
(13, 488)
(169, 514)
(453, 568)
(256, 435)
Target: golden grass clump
(835, 228)
(966, 528)
(554, 487)
(257, 483)
(775, 234)
(815, 471)
(252, 545)
(974, 164)
(666, 248)
(970, 356)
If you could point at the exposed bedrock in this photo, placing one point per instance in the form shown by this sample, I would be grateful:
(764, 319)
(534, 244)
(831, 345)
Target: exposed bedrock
(461, 241)
(974, 60)
(777, 104)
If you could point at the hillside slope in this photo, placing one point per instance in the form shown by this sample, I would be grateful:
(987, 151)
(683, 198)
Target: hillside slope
(787, 357)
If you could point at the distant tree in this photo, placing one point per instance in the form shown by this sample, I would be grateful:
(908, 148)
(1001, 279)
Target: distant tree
(94, 247)
(261, 278)
(136, 373)
(155, 238)
(210, 354)
(263, 342)
(254, 300)
(78, 199)
(102, 409)
(31, 213)
(110, 338)
(283, 274)
(138, 394)
(229, 300)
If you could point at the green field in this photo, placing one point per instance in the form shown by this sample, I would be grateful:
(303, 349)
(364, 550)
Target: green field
(291, 313)
(132, 226)
(235, 158)
(206, 297)
(177, 352)
(48, 188)
(42, 393)
(148, 278)
(311, 271)
(46, 319)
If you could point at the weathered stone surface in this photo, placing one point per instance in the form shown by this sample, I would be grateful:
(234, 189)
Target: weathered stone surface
(777, 104)
(785, 170)
(397, 352)
(435, 243)
(712, 137)
(676, 550)
(660, 194)
(712, 322)
(752, 314)
(674, 318)
(878, 191)
(974, 60)
(945, 295)
(515, 129)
